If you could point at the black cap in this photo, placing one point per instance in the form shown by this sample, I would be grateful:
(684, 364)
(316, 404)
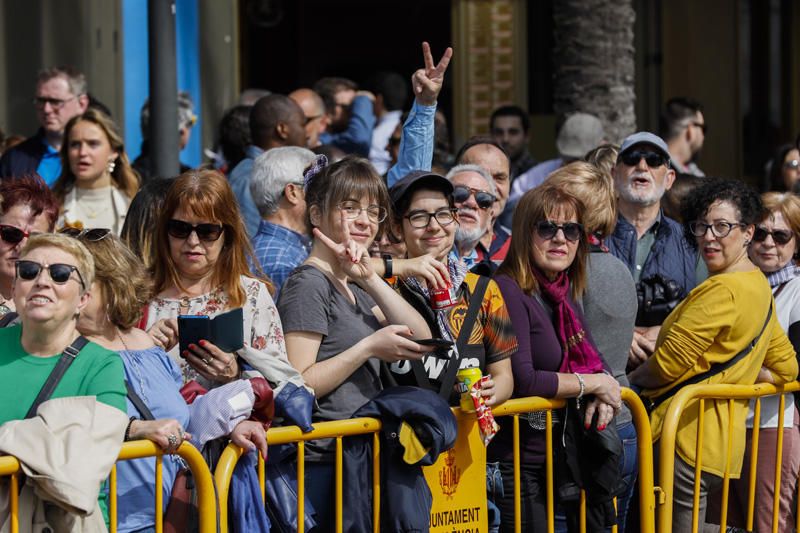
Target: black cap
(416, 180)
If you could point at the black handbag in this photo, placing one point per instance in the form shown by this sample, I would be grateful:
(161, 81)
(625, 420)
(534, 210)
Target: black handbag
(658, 296)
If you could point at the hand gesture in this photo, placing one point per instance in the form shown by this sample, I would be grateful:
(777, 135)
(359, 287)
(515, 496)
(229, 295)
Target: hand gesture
(425, 266)
(353, 258)
(211, 362)
(604, 411)
(164, 333)
(250, 435)
(427, 82)
(392, 344)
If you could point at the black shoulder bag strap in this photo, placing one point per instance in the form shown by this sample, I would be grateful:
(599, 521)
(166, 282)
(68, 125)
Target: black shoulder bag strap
(138, 403)
(66, 359)
(715, 369)
(8, 318)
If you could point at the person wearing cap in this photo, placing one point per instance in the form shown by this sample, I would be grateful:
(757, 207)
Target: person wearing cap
(648, 242)
(426, 218)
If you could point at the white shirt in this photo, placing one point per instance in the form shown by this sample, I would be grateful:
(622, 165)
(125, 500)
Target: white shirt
(384, 128)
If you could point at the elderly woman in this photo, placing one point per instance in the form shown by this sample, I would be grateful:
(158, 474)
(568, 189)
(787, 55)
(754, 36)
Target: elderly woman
(119, 292)
(540, 280)
(27, 207)
(97, 182)
(726, 320)
(54, 274)
(341, 319)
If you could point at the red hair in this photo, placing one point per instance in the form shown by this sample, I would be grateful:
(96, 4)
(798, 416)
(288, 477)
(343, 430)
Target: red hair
(32, 191)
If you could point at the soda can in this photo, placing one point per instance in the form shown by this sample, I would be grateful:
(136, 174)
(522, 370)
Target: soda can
(465, 379)
(443, 298)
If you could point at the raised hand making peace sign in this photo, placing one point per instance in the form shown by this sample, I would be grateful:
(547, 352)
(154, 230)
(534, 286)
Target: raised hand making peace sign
(353, 256)
(427, 82)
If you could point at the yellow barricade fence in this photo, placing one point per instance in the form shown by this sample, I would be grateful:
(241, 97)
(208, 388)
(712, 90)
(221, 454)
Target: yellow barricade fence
(363, 426)
(206, 502)
(672, 423)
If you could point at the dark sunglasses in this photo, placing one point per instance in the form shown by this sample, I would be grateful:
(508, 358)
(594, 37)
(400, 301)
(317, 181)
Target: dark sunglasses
(653, 159)
(205, 232)
(546, 229)
(484, 199)
(12, 234)
(91, 235)
(780, 236)
(59, 272)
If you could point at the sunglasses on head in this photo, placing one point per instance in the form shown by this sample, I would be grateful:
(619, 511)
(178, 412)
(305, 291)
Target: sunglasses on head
(484, 199)
(780, 236)
(546, 229)
(205, 232)
(91, 235)
(12, 234)
(60, 273)
(653, 159)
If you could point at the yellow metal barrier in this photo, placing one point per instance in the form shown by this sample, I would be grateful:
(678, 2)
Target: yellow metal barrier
(666, 464)
(206, 503)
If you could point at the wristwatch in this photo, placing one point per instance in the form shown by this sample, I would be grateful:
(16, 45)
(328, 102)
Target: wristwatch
(387, 266)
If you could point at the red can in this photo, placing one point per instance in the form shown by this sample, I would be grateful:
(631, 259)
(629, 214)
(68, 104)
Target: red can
(443, 298)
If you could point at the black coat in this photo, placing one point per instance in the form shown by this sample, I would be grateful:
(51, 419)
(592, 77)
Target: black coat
(23, 159)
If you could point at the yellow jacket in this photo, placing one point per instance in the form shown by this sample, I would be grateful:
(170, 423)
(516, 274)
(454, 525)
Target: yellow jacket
(717, 320)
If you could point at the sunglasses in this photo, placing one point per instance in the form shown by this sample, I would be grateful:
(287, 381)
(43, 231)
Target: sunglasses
(484, 199)
(205, 232)
(60, 273)
(91, 235)
(780, 236)
(653, 159)
(12, 234)
(546, 230)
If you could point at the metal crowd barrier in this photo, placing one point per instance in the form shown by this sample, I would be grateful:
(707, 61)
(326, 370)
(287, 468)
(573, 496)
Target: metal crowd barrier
(363, 426)
(729, 394)
(206, 503)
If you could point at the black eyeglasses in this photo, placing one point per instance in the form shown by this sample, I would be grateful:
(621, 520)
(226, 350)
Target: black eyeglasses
(59, 272)
(719, 229)
(91, 235)
(205, 232)
(56, 103)
(546, 229)
(653, 159)
(12, 234)
(484, 199)
(421, 219)
(780, 236)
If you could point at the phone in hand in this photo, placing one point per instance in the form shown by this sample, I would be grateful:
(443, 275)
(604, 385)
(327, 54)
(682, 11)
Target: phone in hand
(436, 343)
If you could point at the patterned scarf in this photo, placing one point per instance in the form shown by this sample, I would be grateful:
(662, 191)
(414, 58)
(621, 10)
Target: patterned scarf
(787, 273)
(579, 354)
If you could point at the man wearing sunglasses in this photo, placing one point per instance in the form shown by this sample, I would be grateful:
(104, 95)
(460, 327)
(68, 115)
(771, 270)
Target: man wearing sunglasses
(61, 93)
(648, 242)
(683, 126)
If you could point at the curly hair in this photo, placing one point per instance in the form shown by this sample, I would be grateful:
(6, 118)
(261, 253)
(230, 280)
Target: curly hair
(742, 196)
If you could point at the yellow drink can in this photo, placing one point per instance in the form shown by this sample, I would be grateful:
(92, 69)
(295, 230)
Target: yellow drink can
(465, 378)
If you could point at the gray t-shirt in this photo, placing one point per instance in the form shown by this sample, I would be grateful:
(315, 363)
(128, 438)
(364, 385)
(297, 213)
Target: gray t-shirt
(310, 302)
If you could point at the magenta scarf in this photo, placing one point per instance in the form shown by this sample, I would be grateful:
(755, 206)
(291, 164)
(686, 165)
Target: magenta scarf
(580, 355)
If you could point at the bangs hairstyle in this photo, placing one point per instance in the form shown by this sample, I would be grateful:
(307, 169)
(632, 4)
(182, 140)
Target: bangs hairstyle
(786, 204)
(595, 189)
(125, 284)
(352, 178)
(30, 191)
(75, 248)
(207, 195)
(535, 206)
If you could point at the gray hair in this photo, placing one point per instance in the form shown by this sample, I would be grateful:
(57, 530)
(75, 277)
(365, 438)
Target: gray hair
(460, 169)
(75, 79)
(186, 116)
(273, 171)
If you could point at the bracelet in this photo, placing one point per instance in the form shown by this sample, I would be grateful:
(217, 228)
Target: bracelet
(583, 388)
(387, 266)
(128, 429)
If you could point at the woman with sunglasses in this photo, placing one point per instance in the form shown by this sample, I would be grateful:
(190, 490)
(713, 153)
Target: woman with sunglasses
(725, 331)
(201, 268)
(27, 207)
(340, 318)
(541, 278)
(97, 182)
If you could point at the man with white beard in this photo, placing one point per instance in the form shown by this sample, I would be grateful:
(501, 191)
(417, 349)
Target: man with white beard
(474, 194)
(648, 242)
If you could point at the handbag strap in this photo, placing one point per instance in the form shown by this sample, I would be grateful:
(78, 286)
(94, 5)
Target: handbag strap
(138, 403)
(8, 318)
(715, 369)
(66, 359)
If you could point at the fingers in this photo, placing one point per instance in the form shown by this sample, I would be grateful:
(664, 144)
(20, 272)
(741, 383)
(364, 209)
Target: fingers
(426, 55)
(441, 68)
(324, 239)
(605, 413)
(259, 438)
(591, 407)
(345, 226)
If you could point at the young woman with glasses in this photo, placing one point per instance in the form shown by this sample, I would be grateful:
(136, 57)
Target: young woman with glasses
(340, 318)
(729, 319)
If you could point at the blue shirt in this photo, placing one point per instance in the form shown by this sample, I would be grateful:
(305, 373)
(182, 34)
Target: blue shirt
(239, 179)
(49, 165)
(279, 250)
(357, 138)
(416, 143)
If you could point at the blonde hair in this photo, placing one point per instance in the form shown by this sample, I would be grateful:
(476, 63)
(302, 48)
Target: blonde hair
(594, 187)
(787, 204)
(73, 247)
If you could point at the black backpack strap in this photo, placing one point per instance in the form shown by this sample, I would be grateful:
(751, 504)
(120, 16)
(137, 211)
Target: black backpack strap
(475, 302)
(138, 403)
(66, 359)
(8, 318)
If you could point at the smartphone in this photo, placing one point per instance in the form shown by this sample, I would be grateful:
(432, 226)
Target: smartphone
(191, 329)
(436, 343)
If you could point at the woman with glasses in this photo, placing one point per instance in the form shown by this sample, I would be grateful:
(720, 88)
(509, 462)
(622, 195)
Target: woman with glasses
(97, 182)
(541, 278)
(725, 331)
(340, 318)
(27, 207)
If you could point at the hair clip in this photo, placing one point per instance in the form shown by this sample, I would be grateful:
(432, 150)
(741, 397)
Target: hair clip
(313, 169)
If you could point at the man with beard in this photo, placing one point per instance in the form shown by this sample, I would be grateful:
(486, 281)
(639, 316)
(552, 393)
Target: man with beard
(648, 242)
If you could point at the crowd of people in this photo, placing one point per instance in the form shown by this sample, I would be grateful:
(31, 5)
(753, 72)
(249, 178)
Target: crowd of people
(365, 257)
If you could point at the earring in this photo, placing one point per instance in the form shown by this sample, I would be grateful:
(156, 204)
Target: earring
(112, 164)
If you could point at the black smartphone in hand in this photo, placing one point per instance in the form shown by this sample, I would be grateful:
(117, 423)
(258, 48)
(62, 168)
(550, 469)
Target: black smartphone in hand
(436, 343)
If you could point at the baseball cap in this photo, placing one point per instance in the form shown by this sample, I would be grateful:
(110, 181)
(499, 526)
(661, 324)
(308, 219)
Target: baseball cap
(579, 134)
(644, 137)
(417, 179)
